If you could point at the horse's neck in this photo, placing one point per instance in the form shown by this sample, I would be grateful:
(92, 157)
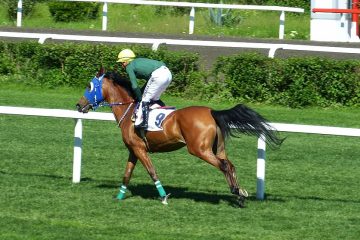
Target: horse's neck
(122, 103)
(118, 95)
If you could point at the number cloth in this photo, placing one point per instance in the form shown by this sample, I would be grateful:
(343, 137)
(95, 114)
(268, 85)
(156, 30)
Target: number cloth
(156, 117)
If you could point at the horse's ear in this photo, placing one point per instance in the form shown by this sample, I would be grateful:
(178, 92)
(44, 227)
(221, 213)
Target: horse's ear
(101, 72)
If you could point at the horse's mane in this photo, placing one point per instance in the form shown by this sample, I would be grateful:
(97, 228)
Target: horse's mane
(121, 81)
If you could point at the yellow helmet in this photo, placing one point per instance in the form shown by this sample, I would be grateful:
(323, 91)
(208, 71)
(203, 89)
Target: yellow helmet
(126, 55)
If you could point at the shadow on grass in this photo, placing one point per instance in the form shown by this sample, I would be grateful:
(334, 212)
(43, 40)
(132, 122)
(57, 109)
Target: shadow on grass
(34, 175)
(286, 198)
(148, 191)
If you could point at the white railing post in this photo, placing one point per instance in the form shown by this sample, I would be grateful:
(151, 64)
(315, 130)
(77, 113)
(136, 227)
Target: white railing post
(77, 151)
(192, 20)
(156, 45)
(260, 172)
(19, 13)
(104, 19)
(272, 52)
(282, 25)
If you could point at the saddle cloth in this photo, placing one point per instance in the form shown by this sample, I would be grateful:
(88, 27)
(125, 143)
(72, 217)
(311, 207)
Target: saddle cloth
(157, 116)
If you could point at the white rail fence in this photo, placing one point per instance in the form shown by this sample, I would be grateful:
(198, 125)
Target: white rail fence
(260, 173)
(182, 4)
(156, 42)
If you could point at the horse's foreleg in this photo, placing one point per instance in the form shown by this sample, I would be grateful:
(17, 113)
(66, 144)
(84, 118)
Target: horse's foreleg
(127, 175)
(145, 160)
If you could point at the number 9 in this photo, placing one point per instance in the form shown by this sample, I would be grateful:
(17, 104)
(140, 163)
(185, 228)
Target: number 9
(159, 118)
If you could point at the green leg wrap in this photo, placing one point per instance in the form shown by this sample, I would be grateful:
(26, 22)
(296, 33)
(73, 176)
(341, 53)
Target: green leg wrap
(122, 192)
(160, 189)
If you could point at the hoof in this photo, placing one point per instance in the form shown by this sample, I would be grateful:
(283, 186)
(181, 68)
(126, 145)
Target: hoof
(164, 199)
(116, 198)
(241, 201)
(243, 193)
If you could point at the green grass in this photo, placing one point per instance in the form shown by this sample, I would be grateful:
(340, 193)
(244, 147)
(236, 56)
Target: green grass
(311, 181)
(130, 18)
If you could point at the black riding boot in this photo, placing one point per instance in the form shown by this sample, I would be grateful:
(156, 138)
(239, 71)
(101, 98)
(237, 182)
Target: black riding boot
(145, 115)
(161, 103)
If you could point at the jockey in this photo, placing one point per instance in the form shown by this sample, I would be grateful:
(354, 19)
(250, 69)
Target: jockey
(156, 74)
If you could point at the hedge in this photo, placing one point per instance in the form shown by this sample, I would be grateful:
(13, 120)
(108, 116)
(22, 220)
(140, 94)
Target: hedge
(73, 64)
(250, 77)
(73, 11)
(27, 7)
(294, 82)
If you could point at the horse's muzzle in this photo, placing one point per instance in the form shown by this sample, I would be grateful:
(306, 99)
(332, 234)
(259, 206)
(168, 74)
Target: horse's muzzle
(84, 109)
(83, 105)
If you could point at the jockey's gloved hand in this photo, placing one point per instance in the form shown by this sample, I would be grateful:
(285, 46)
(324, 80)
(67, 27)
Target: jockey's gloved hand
(138, 94)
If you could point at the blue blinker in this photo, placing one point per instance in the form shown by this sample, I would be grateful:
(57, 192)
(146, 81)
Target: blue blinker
(94, 94)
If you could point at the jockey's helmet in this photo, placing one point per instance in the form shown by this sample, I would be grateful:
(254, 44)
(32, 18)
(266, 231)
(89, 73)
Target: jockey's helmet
(126, 55)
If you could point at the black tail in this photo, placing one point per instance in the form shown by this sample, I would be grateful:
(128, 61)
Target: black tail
(243, 120)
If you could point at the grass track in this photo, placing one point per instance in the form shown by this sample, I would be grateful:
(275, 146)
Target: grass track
(311, 182)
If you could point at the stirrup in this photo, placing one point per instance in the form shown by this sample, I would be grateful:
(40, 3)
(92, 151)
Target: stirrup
(133, 118)
(142, 126)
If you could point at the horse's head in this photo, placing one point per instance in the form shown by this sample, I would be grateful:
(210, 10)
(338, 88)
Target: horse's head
(93, 95)
(109, 88)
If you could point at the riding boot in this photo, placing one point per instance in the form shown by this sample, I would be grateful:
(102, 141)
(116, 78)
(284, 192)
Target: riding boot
(145, 115)
(161, 103)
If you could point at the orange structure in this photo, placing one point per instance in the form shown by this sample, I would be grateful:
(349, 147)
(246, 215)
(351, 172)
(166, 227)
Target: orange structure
(355, 11)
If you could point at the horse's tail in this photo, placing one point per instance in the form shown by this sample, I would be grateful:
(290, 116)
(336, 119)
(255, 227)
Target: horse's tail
(243, 120)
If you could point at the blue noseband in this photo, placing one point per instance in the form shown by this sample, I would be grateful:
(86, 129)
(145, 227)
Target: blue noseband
(93, 93)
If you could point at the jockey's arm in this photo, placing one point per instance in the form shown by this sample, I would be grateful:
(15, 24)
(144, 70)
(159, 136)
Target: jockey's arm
(133, 80)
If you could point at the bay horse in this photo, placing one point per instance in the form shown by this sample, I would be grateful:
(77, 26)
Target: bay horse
(201, 129)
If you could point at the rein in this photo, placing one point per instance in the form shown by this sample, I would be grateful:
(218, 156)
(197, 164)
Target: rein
(105, 104)
(119, 104)
(123, 116)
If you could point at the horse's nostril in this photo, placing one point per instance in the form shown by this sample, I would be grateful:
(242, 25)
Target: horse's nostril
(78, 107)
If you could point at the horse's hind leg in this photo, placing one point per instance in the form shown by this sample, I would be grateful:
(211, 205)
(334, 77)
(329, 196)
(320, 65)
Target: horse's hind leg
(219, 151)
(230, 174)
(228, 169)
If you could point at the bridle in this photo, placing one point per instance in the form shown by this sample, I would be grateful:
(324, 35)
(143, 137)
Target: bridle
(96, 99)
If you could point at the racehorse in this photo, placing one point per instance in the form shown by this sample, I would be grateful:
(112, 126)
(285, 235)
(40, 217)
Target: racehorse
(201, 129)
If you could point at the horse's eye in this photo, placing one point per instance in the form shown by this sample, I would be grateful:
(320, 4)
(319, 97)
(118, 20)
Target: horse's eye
(90, 87)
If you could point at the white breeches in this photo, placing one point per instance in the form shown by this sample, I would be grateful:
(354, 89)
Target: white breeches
(158, 82)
